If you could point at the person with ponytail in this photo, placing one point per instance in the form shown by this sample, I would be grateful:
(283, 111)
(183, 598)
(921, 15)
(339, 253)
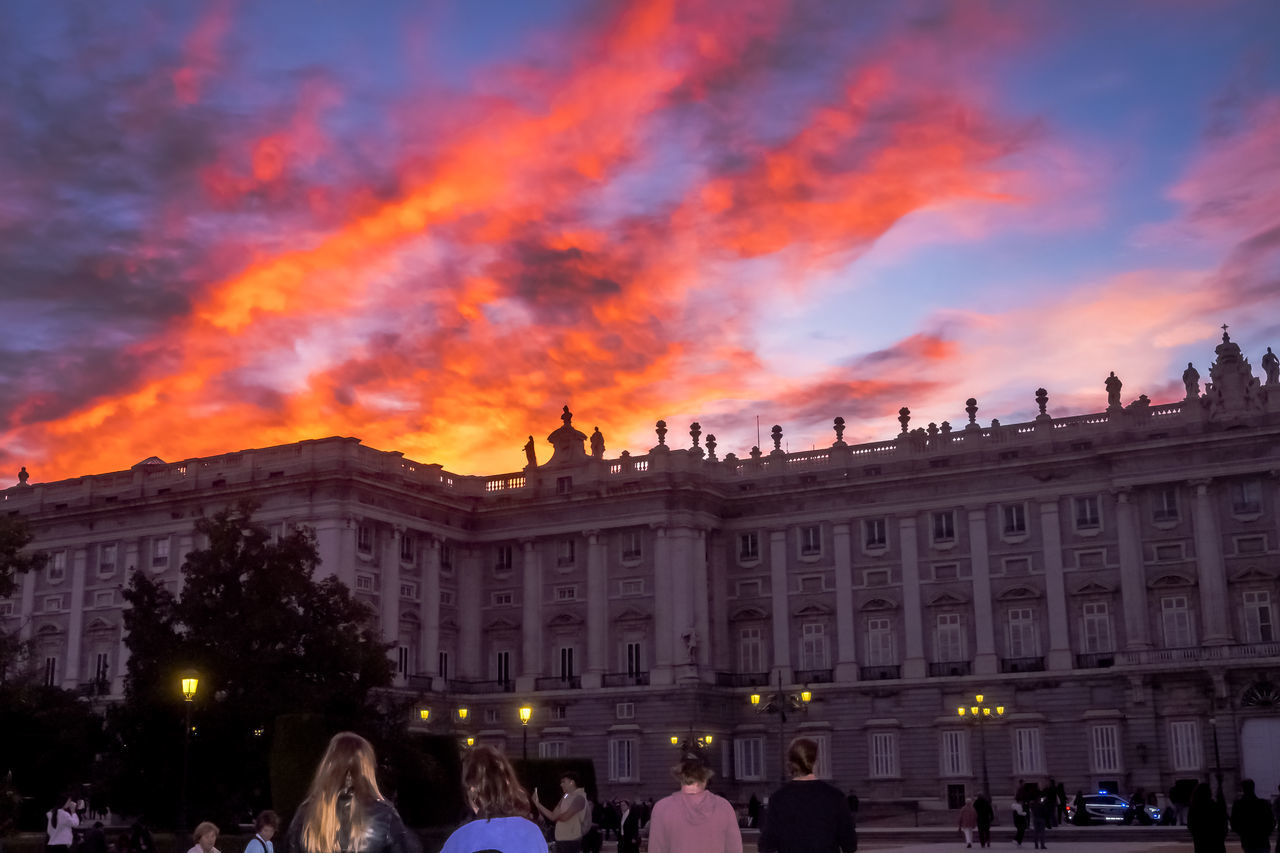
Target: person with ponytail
(344, 811)
(61, 821)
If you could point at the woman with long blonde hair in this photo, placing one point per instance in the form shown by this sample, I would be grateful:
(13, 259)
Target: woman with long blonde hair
(344, 811)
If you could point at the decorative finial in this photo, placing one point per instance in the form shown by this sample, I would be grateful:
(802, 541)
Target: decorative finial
(1225, 338)
(776, 432)
(971, 406)
(661, 429)
(904, 418)
(695, 430)
(711, 447)
(1042, 399)
(838, 426)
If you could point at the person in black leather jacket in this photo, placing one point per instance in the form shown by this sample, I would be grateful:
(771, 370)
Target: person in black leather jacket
(344, 811)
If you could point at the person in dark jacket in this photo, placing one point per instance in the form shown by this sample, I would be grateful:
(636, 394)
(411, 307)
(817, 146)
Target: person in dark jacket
(1252, 820)
(807, 815)
(629, 828)
(344, 811)
(1207, 821)
(986, 815)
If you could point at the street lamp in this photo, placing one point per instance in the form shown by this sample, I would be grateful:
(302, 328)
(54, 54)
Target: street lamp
(525, 713)
(980, 713)
(779, 703)
(1217, 758)
(699, 744)
(424, 714)
(190, 683)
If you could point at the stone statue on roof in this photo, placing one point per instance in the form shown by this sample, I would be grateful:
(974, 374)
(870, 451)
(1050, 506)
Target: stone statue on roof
(1271, 366)
(597, 444)
(530, 453)
(1191, 378)
(1114, 385)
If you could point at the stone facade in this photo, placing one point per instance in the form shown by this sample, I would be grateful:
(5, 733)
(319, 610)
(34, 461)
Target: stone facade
(1109, 580)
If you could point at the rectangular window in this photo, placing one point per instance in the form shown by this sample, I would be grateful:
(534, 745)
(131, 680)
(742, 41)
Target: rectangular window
(6, 608)
(1106, 748)
(748, 758)
(631, 586)
(1184, 739)
(406, 548)
(58, 567)
(51, 672)
(632, 545)
(1088, 513)
(954, 757)
(1015, 519)
(409, 591)
(442, 665)
(491, 715)
(1251, 544)
(884, 755)
(1024, 638)
(879, 577)
(104, 598)
(107, 559)
(364, 538)
(1258, 624)
(822, 767)
(813, 646)
(446, 555)
(944, 526)
(810, 541)
(566, 593)
(1170, 553)
(1166, 505)
(52, 603)
(1175, 619)
(502, 558)
(564, 485)
(880, 642)
(565, 553)
(160, 553)
(622, 759)
(364, 583)
(1095, 627)
(634, 665)
(1016, 565)
(1246, 497)
(1092, 559)
(946, 572)
(503, 599)
(402, 660)
(552, 749)
(749, 546)
(625, 710)
(566, 662)
(101, 666)
(949, 638)
(1027, 755)
(875, 533)
(750, 651)
(559, 712)
(446, 597)
(502, 666)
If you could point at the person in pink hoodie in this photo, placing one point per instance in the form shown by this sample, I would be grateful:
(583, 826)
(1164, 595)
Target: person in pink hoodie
(694, 820)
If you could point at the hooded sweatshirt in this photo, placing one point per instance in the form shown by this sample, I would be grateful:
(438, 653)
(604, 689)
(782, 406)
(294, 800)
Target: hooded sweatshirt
(699, 822)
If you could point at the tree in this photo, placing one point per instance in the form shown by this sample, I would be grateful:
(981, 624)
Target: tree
(266, 639)
(14, 536)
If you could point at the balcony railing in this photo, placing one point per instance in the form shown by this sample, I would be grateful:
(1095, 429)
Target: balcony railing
(459, 685)
(1200, 653)
(1096, 660)
(881, 672)
(1022, 664)
(97, 687)
(625, 679)
(742, 679)
(419, 682)
(814, 676)
(947, 669)
(556, 682)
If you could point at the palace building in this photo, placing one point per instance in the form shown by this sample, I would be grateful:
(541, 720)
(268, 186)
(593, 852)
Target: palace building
(1106, 582)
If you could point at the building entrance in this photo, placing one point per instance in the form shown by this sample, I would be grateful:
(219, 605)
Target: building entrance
(1260, 746)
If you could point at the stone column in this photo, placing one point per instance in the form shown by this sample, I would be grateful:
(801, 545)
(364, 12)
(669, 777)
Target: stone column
(681, 603)
(429, 642)
(597, 611)
(1133, 575)
(701, 597)
(663, 591)
(1213, 575)
(846, 649)
(27, 581)
(781, 605)
(331, 534)
(531, 656)
(75, 624)
(721, 644)
(1055, 595)
(912, 612)
(470, 612)
(389, 599)
(985, 661)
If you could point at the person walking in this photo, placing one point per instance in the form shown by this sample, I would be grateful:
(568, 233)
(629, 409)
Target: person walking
(807, 815)
(61, 820)
(693, 820)
(986, 814)
(499, 806)
(1252, 820)
(571, 816)
(344, 811)
(1207, 821)
(1019, 822)
(1041, 809)
(968, 821)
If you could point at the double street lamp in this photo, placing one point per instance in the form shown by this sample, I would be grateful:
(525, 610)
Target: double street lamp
(780, 702)
(980, 713)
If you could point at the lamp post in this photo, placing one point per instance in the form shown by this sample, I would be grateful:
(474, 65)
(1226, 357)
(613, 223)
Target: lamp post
(190, 683)
(779, 703)
(980, 713)
(525, 714)
(698, 744)
(1217, 758)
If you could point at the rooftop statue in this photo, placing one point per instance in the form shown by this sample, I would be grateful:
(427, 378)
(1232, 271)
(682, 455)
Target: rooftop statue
(1114, 385)
(1191, 378)
(597, 444)
(530, 453)
(1271, 366)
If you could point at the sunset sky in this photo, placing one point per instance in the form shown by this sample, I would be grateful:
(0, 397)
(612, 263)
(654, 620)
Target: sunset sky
(431, 224)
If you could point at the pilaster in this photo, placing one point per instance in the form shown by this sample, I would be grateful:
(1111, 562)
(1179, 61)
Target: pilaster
(985, 661)
(429, 641)
(846, 649)
(75, 624)
(781, 606)
(1213, 574)
(1133, 576)
(531, 655)
(1055, 595)
(597, 611)
(913, 663)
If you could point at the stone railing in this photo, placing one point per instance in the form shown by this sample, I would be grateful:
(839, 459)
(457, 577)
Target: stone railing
(1199, 653)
